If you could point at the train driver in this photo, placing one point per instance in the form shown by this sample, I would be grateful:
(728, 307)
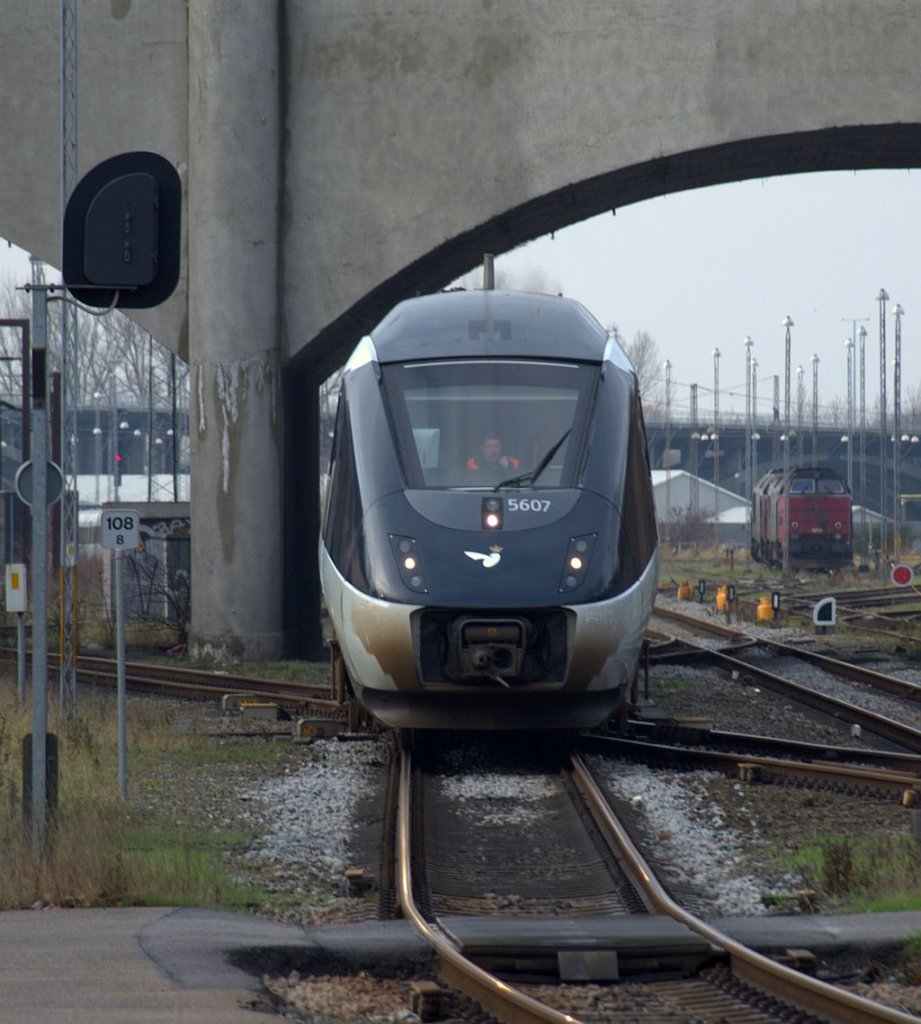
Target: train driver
(491, 457)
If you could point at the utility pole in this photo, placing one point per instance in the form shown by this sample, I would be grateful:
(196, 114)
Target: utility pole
(667, 366)
(882, 298)
(787, 324)
(747, 342)
(898, 313)
(70, 376)
(695, 459)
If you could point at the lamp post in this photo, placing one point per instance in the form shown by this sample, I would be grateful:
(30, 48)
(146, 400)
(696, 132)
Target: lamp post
(852, 414)
(862, 346)
(787, 324)
(747, 342)
(898, 313)
(882, 298)
(117, 456)
(715, 438)
(849, 349)
(800, 411)
(695, 460)
(97, 435)
(756, 437)
(668, 451)
(815, 408)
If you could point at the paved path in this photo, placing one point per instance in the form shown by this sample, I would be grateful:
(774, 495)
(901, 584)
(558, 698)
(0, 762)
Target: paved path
(176, 966)
(171, 966)
(128, 965)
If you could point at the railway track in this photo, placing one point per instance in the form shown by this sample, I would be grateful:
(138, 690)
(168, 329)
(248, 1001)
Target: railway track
(853, 776)
(686, 965)
(179, 681)
(848, 714)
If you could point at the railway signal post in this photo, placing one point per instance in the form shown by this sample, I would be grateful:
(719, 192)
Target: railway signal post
(120, 533)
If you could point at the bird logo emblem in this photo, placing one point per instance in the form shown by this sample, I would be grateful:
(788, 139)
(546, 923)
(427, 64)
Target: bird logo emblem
(487, 561)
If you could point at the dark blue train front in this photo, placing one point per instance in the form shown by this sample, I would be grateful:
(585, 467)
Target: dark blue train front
(488, 552)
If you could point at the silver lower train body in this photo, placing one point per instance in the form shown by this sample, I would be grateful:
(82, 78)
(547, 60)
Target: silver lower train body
(415, 667)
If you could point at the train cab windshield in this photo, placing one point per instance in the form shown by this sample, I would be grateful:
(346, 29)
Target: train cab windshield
(486, 423)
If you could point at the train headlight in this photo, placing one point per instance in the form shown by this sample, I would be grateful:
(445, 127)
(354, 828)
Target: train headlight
(491, 513)
(409, 562)
(578, 555)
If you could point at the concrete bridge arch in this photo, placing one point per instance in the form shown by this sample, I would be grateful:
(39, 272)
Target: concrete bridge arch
(340, 156)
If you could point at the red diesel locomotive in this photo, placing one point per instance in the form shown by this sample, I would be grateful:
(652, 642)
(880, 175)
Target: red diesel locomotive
(819, 518)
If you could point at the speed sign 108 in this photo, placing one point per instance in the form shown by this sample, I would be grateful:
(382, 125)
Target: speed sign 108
(120, 529)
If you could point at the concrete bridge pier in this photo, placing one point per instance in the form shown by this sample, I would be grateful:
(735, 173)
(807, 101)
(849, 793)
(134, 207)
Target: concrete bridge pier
(234, 344)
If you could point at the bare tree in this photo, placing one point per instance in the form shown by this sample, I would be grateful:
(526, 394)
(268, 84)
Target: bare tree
(643, 352)
(113, 352)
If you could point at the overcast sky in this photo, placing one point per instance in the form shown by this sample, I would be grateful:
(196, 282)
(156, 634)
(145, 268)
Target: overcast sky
(704, 269)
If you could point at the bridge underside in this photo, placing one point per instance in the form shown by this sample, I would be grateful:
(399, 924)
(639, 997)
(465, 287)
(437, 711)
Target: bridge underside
(863, 147)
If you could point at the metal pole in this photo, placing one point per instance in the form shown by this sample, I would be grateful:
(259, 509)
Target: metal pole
(800, 409)
(39, 566)
(849, 348)
(851, 413)
(114, 435)
(755, 435)
(716, 446)
(787, 324)
(122, 695)
(695, 461)
(70, 374)
(882, 298)
(21, 656)
(668, 447)
(150, 418)
(897, 312)
(815, 408)
(174, 427)
(862, 338)
(747, 342)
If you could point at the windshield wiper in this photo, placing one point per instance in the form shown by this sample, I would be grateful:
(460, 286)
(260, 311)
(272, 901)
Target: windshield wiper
(531, 476)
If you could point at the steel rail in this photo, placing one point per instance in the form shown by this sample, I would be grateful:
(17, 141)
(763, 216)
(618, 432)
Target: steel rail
(506, 1003)
(682, 733)
(880, 680)
(785, 983)
(197, 682)
(882, 779)
(878, 724)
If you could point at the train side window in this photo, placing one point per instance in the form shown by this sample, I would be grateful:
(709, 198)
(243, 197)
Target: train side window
(640, 533)
(342, 526)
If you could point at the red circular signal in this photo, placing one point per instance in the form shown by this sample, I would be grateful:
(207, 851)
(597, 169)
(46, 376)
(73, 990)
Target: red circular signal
(901, 575)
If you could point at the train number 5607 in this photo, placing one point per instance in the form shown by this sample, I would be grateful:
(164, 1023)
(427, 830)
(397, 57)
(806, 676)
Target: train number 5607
(528, 505)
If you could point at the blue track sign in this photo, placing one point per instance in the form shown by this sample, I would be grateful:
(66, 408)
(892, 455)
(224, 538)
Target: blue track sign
(120, 529)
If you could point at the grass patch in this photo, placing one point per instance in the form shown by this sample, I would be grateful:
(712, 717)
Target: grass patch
(674, 684)
(102, 851)
(863, 874)
(183, 870)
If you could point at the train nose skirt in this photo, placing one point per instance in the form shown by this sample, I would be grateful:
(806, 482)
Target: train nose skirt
(491, 647)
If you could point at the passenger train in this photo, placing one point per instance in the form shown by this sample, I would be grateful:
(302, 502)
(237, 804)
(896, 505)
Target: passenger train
(813, 506)
(488, 548)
